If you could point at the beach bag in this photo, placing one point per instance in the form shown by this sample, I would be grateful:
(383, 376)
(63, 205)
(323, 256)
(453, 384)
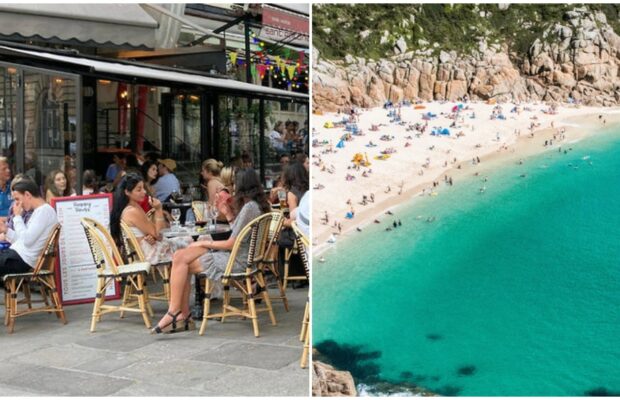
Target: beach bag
(287, 238)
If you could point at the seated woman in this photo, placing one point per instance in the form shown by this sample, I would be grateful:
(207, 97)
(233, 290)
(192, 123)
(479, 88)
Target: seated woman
(296, 183)
(210, 173)
(149, 172)
(127, 198)
(210, 257)
(57, 185)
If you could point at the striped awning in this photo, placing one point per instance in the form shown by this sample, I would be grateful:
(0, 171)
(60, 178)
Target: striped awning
(104, 25)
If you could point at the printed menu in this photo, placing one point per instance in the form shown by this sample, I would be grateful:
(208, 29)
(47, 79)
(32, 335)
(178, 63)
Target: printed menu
(76, 271)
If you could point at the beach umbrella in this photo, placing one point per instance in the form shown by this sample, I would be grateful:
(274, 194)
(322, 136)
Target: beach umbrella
(340, 144)
(445, 131)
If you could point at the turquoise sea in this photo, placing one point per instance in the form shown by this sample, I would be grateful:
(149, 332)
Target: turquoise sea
(512, 292)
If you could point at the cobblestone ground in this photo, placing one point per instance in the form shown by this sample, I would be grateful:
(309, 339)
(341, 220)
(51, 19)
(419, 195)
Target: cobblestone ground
(44, 357)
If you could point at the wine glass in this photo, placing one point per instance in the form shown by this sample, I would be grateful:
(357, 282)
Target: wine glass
(176, 215)
(212, 213)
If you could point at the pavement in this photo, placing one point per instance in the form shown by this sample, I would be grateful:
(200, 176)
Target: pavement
(45, 357)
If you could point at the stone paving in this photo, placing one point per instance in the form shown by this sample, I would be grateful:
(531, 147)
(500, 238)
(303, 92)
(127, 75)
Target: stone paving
(44, 357)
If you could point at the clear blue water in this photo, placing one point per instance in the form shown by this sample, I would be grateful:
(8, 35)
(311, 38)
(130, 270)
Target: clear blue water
(521, 282)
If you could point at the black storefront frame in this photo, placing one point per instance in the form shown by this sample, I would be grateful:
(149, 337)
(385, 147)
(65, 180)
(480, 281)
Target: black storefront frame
(20, 148)
(210, 129)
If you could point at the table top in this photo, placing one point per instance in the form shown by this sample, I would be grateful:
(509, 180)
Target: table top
(184, 231)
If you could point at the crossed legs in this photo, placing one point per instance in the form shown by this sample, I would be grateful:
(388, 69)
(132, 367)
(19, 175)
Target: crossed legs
(185, 263)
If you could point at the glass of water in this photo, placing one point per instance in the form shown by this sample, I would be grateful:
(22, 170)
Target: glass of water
(176, 215)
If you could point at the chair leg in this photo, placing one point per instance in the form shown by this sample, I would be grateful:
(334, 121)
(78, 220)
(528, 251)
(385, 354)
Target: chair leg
(206, 305)
(225, 302)
(274, 270)
(252, 306)
(126, 295)
(166, 280)
(287, 258)
(261, 281)
(304, 325)
(55, 298)
(13, 305)
(7, 306)
(27, 295)
(98, 302)
(143, 300)
(146, 294)
(304, 354)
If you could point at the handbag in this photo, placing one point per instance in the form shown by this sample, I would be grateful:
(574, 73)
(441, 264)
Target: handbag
(287, 238)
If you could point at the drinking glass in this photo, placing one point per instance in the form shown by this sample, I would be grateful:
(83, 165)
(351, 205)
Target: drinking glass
(212, 215)
(176, 215)
(282, 199)
(200, 209)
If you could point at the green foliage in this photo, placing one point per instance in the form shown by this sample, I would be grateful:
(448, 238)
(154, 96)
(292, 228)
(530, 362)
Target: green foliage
(458, 27)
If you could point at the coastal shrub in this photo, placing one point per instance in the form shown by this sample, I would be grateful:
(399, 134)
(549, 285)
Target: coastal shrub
(337, 28)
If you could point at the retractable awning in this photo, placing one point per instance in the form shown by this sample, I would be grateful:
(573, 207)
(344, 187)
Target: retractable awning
(125, 70)
(107, 25)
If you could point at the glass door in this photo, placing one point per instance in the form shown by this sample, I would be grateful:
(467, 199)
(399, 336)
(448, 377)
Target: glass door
(8, 114)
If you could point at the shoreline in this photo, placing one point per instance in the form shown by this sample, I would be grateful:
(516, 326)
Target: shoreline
(577, 128)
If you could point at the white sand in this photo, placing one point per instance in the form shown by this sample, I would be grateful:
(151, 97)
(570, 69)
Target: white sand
(403, 167)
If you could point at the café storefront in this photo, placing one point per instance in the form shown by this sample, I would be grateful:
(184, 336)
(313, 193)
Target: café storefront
(59, 110)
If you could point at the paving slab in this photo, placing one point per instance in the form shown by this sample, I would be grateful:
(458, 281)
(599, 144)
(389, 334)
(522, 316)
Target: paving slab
(179, 373)
(255, 355)
(56, 381)
(45, 357)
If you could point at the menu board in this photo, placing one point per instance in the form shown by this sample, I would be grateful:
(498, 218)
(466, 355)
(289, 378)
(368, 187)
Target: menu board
(76, 273)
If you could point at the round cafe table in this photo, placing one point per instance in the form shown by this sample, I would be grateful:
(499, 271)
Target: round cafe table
(220, 232)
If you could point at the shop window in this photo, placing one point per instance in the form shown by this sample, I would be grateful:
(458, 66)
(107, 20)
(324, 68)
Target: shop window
(49, 125)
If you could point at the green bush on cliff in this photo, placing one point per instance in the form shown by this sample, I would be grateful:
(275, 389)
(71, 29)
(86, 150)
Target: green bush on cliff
(338, 28)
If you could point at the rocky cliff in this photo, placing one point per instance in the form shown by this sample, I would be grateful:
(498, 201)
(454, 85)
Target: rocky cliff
(326, 381)
(576, 58)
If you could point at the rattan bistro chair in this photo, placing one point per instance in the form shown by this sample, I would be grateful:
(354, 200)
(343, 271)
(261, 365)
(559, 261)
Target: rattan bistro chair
(132, 252)
(303, 245)
(267, 253)
(257, 230)
(109, 270)
(42, 274)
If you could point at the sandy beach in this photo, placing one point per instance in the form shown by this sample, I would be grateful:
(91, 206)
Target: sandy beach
(423, 163)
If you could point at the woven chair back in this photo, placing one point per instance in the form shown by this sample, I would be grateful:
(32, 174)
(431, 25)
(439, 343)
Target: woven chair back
(47, 259)
(251, 230)
(303, 245)
(131, 247)
(267, 244)
(100, 245)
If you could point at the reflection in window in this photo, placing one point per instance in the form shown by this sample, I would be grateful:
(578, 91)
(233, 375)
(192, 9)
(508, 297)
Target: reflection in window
(8, 113)
(185, 140)
(49, 124)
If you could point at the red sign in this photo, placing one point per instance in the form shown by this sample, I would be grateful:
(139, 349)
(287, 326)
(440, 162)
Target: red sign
(285, 20)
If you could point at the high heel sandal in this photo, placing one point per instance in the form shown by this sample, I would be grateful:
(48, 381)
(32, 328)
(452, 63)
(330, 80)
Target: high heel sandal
(189, 323)
(169, 327)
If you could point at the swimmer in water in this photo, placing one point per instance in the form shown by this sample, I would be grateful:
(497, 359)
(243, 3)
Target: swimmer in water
(483, 189)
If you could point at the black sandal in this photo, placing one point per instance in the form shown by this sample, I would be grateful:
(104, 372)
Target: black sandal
(169, 327)
(189, 323)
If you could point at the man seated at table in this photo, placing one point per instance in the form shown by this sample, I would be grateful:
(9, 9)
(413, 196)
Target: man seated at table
(167, 182)
(28, 239)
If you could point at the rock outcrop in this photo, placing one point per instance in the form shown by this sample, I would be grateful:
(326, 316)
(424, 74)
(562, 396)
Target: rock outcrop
(578, 58)
(326, 381)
